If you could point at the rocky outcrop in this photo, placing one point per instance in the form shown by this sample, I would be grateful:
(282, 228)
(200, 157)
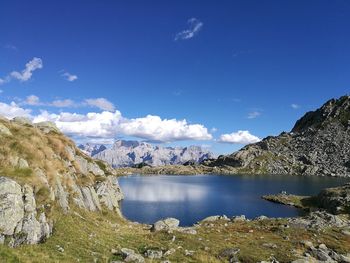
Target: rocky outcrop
(319, 144)
(336, 200)
(319, 220)
(19, 219)
(41, 170)
(321, 253)
(131, 153)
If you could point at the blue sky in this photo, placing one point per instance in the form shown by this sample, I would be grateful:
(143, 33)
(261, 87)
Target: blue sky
(223, 66)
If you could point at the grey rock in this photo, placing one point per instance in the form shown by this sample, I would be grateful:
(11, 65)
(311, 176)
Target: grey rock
(129, 255)
(70, 152)
(61, 195)
(18, 214)
(169, 252)
(47, 126)
(154, 254)
(259, 218)
(187, 230)
(269, 245)
(83, 164)
(22, 163)
(344, 259)
(95, 169)
(189, 252)
(90, 198)
(42, 176)
(166, 224)
(18, 162)
(318, 220)
(215, 218)
(22, 121)
(59, 248)
(229, 252)
(336, 200)
(109, 193)
(4, 130)
(11, 206)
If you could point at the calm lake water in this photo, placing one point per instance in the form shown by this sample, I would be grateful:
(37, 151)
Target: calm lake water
(192, 198)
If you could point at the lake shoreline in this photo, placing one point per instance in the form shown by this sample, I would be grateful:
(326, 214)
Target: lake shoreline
(201, 169)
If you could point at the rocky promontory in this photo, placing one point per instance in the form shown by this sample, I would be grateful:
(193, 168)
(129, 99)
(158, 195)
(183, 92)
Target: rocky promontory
(318, 144)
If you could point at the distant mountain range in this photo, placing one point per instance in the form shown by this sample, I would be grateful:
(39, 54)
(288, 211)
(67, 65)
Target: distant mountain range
(130, 153)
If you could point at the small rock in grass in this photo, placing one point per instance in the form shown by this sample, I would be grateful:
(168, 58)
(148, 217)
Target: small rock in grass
(154, 254)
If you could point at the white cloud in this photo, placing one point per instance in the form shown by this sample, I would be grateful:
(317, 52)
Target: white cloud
(63, 103)
(107, 125)
(295, 106)
(153, 128)
(253, 114)
(26, 74)
(13, 110)
(98, 125)
(100, 103)
(194, 26)
(69, 77)
(32, 100)
(240, 137)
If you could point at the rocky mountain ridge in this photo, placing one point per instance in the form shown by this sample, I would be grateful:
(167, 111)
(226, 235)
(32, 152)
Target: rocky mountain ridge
(42, 172)
(129, 153)
(318, 144)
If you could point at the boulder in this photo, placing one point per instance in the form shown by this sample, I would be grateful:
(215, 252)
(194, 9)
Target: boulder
(130, 255)
(167, 224)
(47, 126)
(154, 254)
(22, 121)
